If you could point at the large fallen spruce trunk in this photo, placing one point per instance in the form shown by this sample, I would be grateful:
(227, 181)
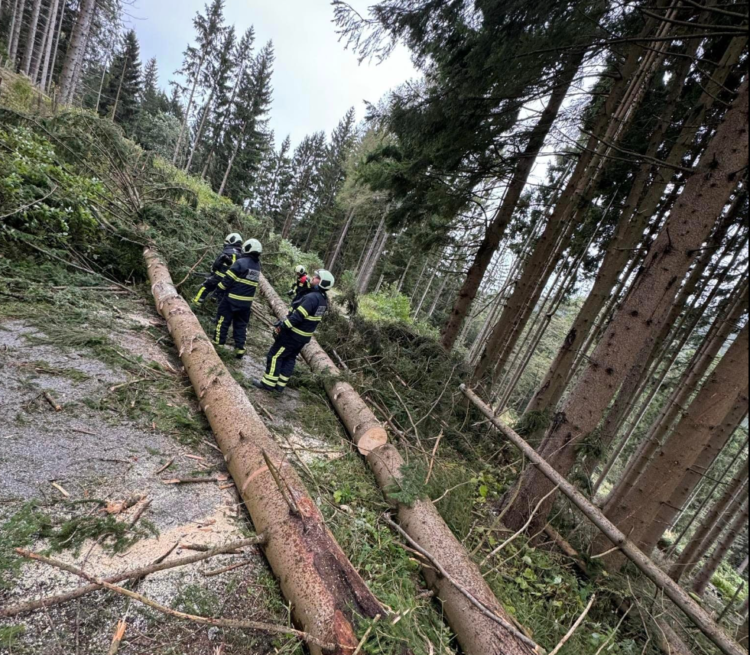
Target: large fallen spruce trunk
(326, 592)
(480, 623)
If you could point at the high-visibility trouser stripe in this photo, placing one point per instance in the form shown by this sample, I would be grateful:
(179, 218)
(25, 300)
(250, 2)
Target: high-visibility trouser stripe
(268, 381)
(234, 296)
(301, 333)
(283, 380)
(274, 360)
(199, 294)
(217, 338)
(239, 351)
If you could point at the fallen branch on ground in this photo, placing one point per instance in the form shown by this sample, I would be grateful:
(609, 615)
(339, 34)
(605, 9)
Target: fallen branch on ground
(205, 620)
(52, 402)
(132, 574)
(574, 627)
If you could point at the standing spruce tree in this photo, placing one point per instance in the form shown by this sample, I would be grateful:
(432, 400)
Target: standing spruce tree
(247, 139)
(645, 310)
(209, 29)
(308, 157)
(121, 95)
(217, 82)
(224, 104)
(153, 99)
(274, 180)
(322, 220)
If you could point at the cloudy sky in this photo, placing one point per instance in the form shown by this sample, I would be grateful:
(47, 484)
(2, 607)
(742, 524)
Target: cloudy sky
(315, 79)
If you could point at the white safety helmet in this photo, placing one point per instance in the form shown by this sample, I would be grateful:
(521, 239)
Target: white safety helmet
(252, 246)
(300, 270)
(326, 279)
(233, 239)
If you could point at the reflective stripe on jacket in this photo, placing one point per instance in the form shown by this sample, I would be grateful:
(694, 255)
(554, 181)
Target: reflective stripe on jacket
(306, 316)
(241, 280)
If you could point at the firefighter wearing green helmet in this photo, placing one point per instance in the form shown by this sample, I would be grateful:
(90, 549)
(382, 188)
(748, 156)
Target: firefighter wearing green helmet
(228, 256)
(295, 332)
(239, 285)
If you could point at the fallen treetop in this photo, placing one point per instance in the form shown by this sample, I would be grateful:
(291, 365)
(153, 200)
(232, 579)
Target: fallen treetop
(672, 590)
(326, 593)
(481, 624)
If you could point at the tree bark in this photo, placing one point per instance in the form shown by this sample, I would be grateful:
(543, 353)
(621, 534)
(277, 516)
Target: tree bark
(692, 478)
(672, 590)
(49, 73)
(28, 53)
(76, 49)
(326, 593)
(504, 213)
(476, 633)
(199, 134)
(15, 35)
(711, 527)
(230, 163)
(636, 213)
(189, 106)
(725, 323)
(46, 35)
(340, 242)
(646, 307)
(703, 578)
(700, 425)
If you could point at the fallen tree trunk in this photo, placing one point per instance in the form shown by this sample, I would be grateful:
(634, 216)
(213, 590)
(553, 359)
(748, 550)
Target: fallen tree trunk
(671, 589)
(326, 592)
(477, 631)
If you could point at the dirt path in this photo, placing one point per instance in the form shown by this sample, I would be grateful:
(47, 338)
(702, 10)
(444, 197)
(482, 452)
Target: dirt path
(58, 469)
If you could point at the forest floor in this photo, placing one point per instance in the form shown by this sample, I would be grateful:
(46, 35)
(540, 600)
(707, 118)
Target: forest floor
(128, 421)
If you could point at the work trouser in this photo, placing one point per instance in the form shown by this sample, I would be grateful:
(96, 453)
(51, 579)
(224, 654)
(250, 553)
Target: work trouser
(281, 359)
(211, 284)
(238, 316)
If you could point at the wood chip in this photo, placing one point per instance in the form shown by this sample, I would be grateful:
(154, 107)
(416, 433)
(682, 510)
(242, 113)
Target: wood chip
(165, 467)
(61, 490)
(52, 402)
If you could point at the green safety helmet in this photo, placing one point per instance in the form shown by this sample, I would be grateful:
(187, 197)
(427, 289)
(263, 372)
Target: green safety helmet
(252, 246)
(300, 270)
(233, 239)
(326, 279)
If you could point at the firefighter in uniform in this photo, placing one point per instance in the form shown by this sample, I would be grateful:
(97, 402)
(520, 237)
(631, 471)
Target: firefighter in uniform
(239, 288)
(299, 287)
(228, 256)
(293, 333)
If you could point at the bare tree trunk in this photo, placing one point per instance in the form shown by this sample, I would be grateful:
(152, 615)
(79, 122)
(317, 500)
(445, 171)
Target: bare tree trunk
(703, 578)
(721, 329)
(645, 309)
(504, 213)
(403, 275)
(700, 467)
(711, 527)
(439, 294)
(371, 248)
(369, 267)
(635, 214)
(220, 131)
(15, 36)
(426, 289)
(119, 89)
(230, 163)
(28, 52)
(340, 242)
(49, 72)
(46, 34)
(76, 50)
(714, 402)
(199, 134)
(325, 592)
(189, 106)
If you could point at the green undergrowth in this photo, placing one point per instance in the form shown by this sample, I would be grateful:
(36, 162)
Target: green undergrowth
(71, 525)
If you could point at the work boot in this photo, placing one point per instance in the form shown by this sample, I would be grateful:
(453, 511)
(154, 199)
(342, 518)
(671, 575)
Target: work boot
(259, 385)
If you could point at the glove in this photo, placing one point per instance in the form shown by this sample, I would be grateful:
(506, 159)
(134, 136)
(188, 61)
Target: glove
(277, 330)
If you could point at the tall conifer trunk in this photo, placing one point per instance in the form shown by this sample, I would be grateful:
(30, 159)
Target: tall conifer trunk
(504, 213)
(646, 307)
(636, 213)
(76, 50)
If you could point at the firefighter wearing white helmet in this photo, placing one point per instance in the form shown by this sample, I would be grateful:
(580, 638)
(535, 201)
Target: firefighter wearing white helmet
(293, 333)
(239, 285)
(300, 286)
(219, 268)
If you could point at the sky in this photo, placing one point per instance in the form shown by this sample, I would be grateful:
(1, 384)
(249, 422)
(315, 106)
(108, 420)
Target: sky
(315, 78)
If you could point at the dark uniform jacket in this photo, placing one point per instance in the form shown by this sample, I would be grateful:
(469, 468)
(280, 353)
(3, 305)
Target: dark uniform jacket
(225, 260)
(241, 280)
(306, 316)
